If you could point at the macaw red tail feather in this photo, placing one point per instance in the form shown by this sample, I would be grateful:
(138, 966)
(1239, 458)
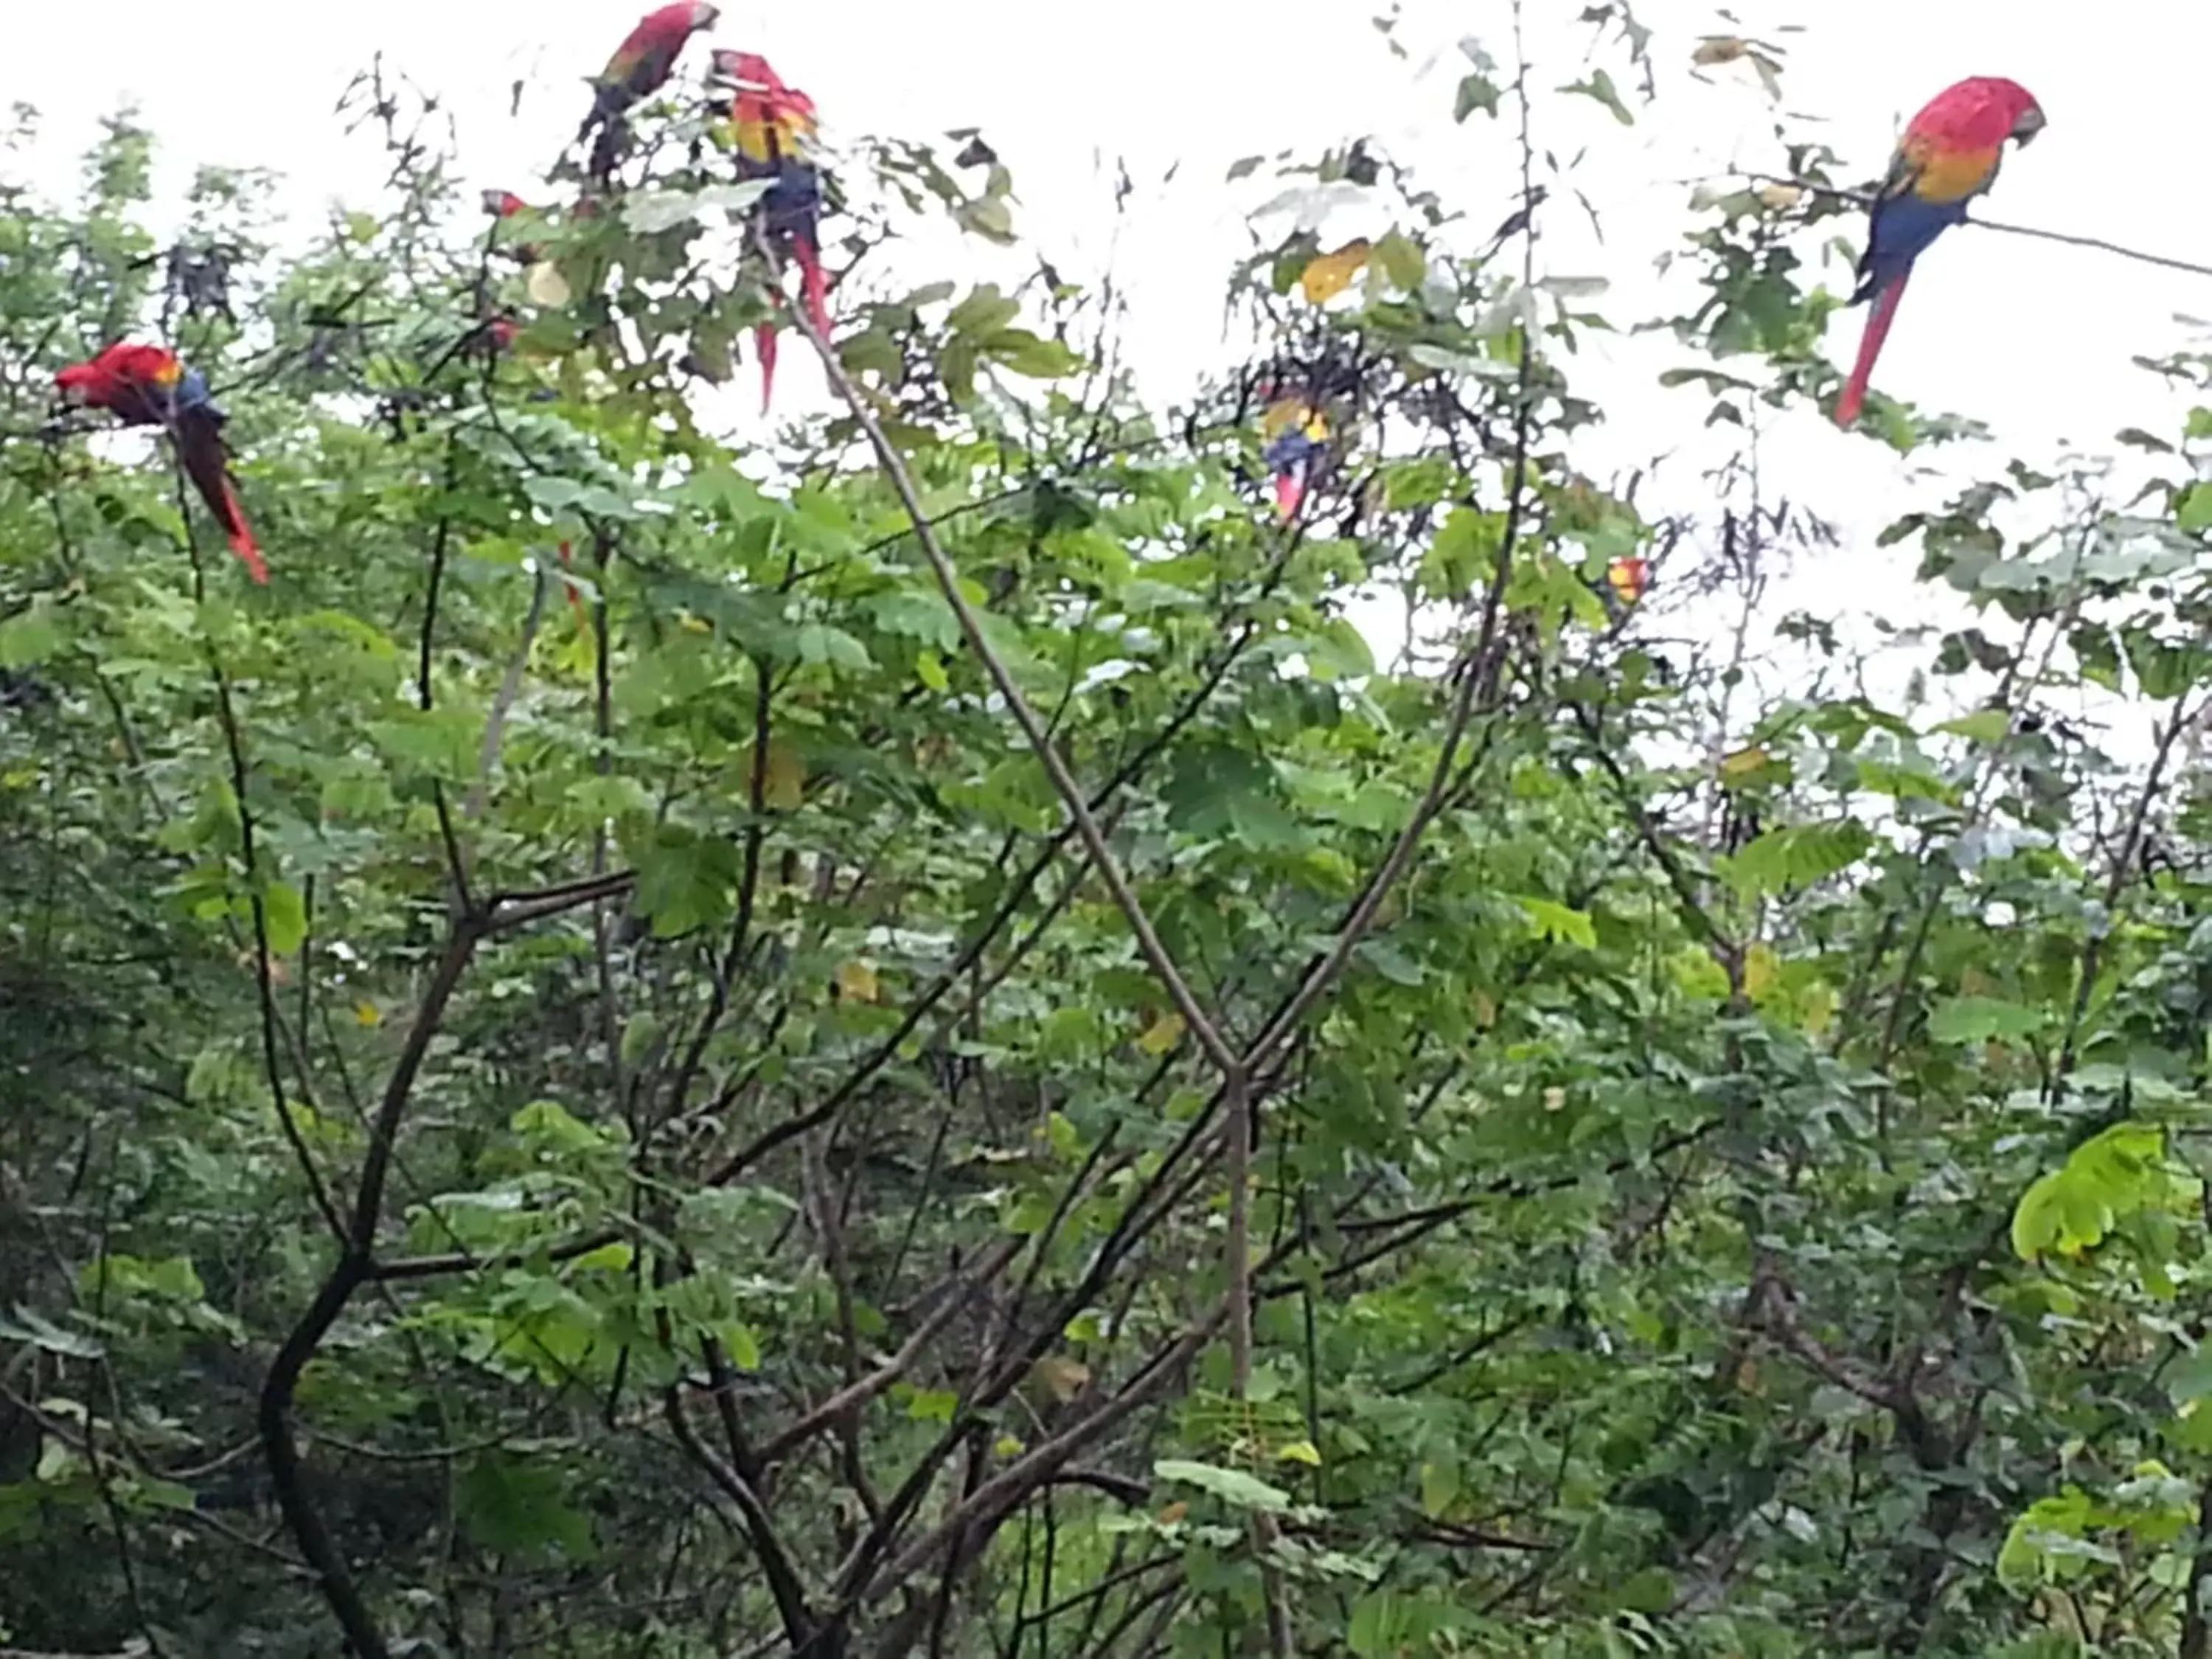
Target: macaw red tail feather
(1290, 490)
(1877, 331)
(576, 598)
(813, 283)
(201, 450)
(764, 349)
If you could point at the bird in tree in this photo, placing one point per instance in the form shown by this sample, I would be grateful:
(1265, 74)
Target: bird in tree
(1296, 434)
(147, 386)
(772, 128)
(640, 68)
(1948, 155)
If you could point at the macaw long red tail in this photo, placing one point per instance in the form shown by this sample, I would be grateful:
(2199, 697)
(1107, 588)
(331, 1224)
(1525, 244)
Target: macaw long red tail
(764, 349)
(199, 447)
(813, 284)
(1877, 331)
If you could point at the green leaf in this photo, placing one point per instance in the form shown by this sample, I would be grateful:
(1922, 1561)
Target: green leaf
(1980, 1019)
(650, 211)
(984, 312)
(1402, 261)
(1476, 92)
(284, 914)
(1233, 1486)
(1983, 725)
(1557, 923)
(508, 1505)
(1600, 86)
(31, 636)
(1028, 354)
(1797, 856)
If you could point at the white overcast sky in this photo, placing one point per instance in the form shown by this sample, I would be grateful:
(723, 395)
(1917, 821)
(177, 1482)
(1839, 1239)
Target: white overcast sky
(2032, 338)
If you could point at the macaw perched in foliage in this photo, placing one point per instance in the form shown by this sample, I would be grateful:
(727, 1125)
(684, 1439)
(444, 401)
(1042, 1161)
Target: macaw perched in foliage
(640, 67)
(772, 126)
(147, 386)
(1948, 155)
(1629, 577)
(505, 204)
(1296, 434)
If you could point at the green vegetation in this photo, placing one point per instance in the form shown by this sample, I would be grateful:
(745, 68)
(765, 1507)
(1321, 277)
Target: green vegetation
(630, 1107)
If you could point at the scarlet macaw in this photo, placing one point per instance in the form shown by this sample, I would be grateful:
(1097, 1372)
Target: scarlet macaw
(1296, 434)
(1629, 577)
(147, 386)
(1948, 155)
(640, 67)
(773, 127)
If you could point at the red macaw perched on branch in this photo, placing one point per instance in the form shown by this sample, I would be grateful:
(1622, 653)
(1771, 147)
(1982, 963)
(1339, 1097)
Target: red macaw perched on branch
(640, 67)
(773, 128)
(1296, 434)
(147, 386)
(1948, 155)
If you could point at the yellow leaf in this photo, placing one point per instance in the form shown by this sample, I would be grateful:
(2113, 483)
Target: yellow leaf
(1718, 49)
(1743, 762)
(691, 624)
(1007, 1446)
(1817, 1008)
(1064, 1378)
(1300, 1451)
(1173, 1513)
(1485, 1010)
(856, 981)
(1779, 196)
(1330, 274)
(1163, 1035)
(1761, 967)
(546, 286)
(783, 784)
(366, 1013)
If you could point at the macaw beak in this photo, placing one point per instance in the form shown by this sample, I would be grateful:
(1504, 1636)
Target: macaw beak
(2030, 122)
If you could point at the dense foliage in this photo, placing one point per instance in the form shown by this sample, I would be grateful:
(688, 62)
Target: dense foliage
(609, 1067)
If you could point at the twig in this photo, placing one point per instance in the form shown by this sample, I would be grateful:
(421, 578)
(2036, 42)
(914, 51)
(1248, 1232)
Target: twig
(1861, 199)
(1195, 1020)
(1477, 671)
(509, 688)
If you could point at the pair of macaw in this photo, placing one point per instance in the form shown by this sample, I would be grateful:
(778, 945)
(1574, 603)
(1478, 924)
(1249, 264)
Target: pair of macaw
(772, 126)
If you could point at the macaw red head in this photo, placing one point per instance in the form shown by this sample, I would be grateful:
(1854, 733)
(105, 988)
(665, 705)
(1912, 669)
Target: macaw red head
(1981, 112)
(2016, 105)
(504, 204)
(772, 118)
(116, 371)
(673, 22)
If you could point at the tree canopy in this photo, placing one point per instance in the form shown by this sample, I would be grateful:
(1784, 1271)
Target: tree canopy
(901, 1038)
